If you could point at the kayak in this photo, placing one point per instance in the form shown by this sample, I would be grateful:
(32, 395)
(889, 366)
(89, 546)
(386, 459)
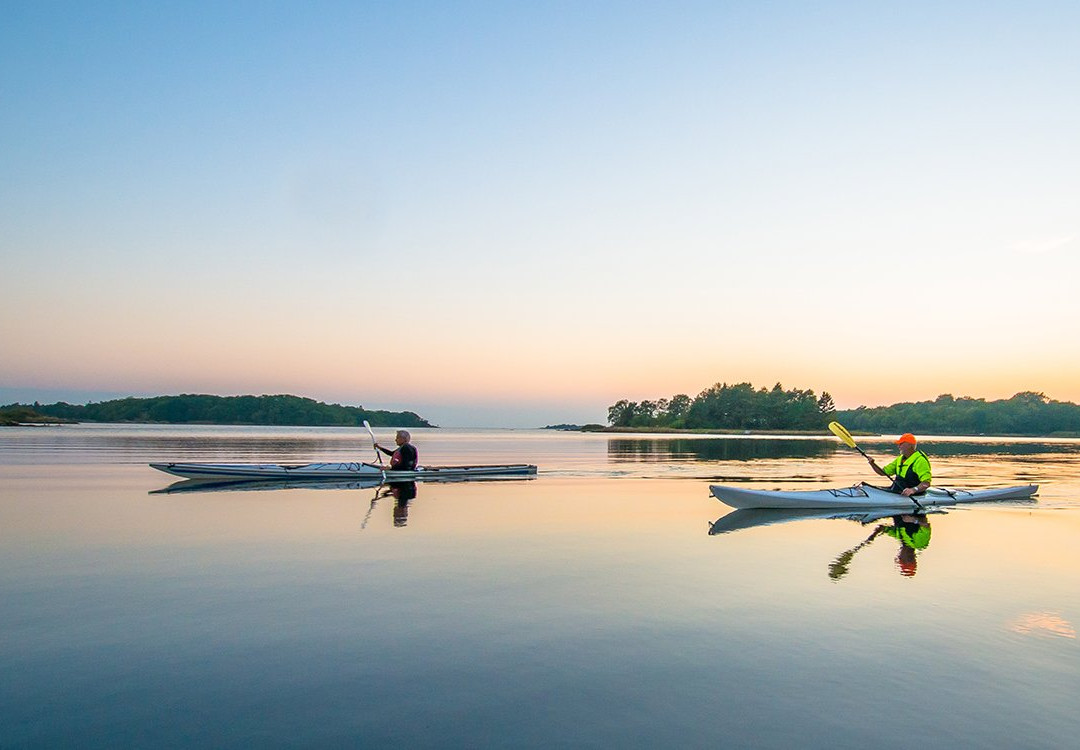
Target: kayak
(864, 496)
(232, 484)
(353, 470)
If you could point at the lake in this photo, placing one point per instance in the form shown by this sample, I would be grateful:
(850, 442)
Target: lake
(589, 606)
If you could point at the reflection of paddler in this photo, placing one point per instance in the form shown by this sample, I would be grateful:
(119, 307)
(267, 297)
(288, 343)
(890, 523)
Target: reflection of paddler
(911, 530)
(402, 492)
(913, 533)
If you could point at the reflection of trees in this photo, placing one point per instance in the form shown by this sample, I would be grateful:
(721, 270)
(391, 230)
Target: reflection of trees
(231, 444)
(660, 450)
(716, 449)
(956, 449)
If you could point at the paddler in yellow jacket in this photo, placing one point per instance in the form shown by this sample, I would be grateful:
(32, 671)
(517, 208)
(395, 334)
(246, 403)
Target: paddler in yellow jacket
(910, 470)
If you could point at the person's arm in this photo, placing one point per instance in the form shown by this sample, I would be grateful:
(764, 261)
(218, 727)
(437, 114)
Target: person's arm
(387, 451)
(877, 469)
(917, 489)
(889, 470)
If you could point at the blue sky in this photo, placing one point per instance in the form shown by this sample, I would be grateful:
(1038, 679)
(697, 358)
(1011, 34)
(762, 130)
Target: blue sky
(515, 214)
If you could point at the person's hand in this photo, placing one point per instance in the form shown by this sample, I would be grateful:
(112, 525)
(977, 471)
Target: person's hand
(908, 491)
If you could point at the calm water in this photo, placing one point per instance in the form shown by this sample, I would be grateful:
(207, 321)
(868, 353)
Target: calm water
(588, 607)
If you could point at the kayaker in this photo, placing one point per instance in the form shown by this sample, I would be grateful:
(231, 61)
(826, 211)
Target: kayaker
(405, 457)
(910, 470)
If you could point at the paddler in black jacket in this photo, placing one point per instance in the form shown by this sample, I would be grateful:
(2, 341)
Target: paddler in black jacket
(910, 470)
(405, 457)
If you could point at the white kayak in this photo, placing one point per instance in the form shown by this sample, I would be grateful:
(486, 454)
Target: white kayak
(864, 496)
(352, 471)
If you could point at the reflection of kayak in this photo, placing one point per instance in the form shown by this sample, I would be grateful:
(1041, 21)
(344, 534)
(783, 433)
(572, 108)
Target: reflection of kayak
(352, 470)
(748, 518)
(366, 483)
(249, 485)
(863, 496)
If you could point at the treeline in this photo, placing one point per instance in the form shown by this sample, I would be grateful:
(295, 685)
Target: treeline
(1026, 413)
(742, 407)
(729, 407)
(204, 409)
(17, 414)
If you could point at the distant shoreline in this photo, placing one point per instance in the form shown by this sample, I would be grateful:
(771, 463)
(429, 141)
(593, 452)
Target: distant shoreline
(711, 431)
(799, 433)
(824, 434)
(63, 423)
(206, 409)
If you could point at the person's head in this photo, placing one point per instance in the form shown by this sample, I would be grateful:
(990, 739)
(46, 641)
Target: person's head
(402, 437)
(906, 443)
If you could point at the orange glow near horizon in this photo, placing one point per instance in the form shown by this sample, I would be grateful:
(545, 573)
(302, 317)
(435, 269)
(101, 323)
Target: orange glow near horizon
(336, 345)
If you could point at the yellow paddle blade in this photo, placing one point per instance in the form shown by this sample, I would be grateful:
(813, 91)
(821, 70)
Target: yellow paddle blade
(840, 432)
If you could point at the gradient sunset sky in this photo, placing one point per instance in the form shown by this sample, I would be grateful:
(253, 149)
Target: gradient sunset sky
(515, 214)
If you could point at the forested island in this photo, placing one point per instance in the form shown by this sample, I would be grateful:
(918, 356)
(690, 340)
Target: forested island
(1027, 413)
(280, 410)
(741, 407)
(729, 407)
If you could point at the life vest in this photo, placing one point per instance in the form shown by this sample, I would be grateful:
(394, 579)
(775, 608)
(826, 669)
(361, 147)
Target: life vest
(906, 476)
(405, 458)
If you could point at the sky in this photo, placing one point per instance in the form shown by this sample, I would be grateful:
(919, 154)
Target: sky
(516, 214)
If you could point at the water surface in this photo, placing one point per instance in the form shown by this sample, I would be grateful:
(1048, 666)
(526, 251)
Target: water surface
(589, 606)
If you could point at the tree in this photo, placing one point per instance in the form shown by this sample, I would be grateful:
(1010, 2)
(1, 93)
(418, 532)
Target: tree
(724, 406)
(621, 413)
(826, 405)
(677, 409)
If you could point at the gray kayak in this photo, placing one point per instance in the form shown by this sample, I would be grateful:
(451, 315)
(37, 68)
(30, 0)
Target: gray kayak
(350, 471)
(864, 496)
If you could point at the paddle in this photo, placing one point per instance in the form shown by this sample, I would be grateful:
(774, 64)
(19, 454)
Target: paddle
(838, 568)
(844, 435)
(379, 494)
(378, 453)
(838, 430)
(363, 524)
